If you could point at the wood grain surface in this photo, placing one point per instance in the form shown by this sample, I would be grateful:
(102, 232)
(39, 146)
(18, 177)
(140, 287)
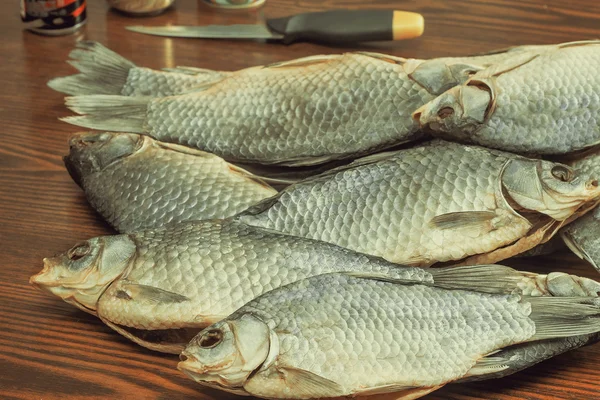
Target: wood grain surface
(49, 349)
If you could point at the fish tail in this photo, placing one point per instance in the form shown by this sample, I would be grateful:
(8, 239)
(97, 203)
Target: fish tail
(559, 317)
(111, 113)
(102, 71)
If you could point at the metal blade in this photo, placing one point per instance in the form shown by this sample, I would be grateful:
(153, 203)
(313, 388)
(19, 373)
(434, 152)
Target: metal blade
(210, 31)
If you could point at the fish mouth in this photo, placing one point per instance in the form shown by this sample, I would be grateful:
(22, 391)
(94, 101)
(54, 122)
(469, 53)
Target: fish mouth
(44, 279)
(189, 367)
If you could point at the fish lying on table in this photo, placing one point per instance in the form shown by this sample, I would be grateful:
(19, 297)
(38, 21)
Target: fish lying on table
(301, 112)
(437, 202)
(102, 71)
(160, 287)
(536, 102)
(136, 182)
(374, 334)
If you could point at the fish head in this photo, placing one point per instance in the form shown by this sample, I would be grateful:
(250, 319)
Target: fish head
(460, 111)
(91, 152)
(225, 354)
(550, 188)
(80, 275)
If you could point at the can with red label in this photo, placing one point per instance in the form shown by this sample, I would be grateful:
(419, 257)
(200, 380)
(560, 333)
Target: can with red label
(53, 17)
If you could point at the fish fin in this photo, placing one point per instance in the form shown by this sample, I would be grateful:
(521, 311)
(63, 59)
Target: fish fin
(384, 57)
(145, 293)
(193, 71)
(305, 61)
(488, 365)
(481, 278)
(528, 242)
(102, 71)
(476, 221)
(578, 43)
(171, 341)
(557, 317)
(305, 161)
(577, 249)
(516, 61)
(281, 380)
(404, 394)
(262, 181)
(306, 384)
(111, 113)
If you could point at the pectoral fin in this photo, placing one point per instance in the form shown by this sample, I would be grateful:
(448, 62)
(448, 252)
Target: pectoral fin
(528, 242)
(407, 394)
(488, 366)
(147, 294)
(283, 381)
(475, 222)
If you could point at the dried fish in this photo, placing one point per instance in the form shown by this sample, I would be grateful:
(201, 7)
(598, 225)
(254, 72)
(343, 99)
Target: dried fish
(135, 182)
(373, 334)
(440, 201)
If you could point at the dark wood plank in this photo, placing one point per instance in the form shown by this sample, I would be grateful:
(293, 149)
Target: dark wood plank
(50, 350)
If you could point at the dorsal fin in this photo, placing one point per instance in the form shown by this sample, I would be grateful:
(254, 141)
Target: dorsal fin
(305, 61)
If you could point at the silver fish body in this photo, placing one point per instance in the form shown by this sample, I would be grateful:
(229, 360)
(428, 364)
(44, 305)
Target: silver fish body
(135, 182)
(537, 102)
(583, 235)
(102, 71)
(302, 112)
(437, 202)
(371, 335)
(157, 287)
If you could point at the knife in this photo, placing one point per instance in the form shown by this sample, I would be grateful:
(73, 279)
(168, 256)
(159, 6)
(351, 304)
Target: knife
(332, 27)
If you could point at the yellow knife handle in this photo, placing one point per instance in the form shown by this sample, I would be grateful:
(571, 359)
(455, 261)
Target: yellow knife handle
(407, 25)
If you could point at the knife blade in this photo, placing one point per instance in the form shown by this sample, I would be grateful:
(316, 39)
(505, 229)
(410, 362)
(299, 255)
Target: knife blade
(332, 27)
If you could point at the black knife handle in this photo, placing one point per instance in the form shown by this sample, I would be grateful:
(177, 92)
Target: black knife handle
(348, 26)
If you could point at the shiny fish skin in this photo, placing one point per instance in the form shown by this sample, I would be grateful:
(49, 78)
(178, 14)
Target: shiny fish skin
(583, 235)
(386, 204)
(288, 113)
(135, 182)
(369, 336)
(102, 71)
(534, 103)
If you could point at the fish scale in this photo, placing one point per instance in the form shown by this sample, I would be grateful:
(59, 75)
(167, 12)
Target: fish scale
(147, 82)
(383, 208)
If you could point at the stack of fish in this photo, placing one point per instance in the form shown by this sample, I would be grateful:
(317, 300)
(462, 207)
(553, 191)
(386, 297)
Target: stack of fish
(320, 289)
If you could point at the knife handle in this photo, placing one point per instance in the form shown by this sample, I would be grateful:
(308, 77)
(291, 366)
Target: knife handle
(348, 26)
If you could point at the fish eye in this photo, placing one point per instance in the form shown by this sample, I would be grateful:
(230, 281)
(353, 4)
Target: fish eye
(78, 251)
(210, 339)
(445, 112)
(562, 173)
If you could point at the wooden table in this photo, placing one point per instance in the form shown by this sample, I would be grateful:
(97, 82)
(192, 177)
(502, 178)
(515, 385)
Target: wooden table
(50, 350)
